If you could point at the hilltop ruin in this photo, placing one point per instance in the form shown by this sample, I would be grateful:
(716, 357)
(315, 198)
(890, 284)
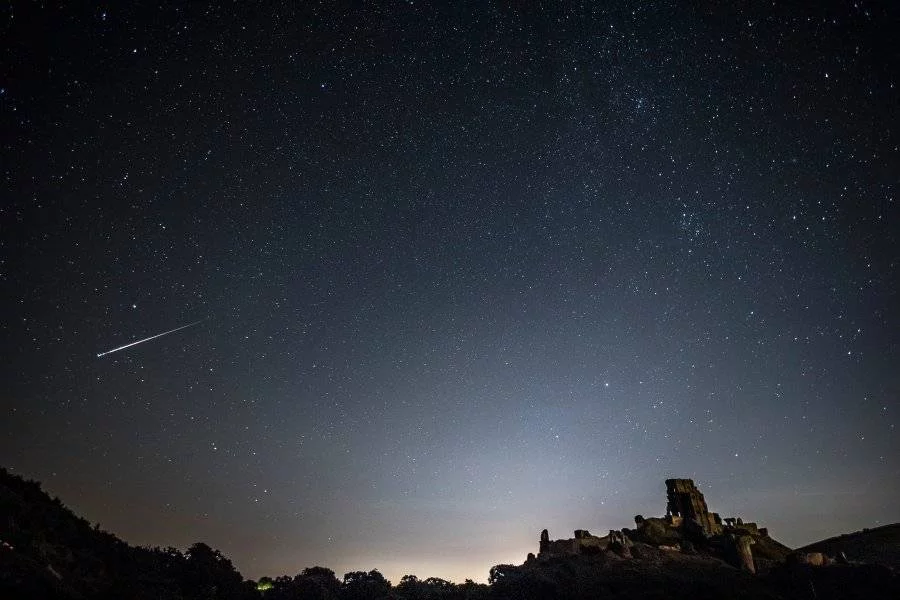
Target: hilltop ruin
(688, 527)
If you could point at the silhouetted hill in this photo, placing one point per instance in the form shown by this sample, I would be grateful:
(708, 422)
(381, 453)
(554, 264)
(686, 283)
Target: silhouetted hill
(880, 545)
(46, 551)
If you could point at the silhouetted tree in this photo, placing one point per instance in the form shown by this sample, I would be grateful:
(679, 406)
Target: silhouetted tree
(500, 572)
(434, 588)
(469, 590)
(359, 585)
(410, 588)
(265, 584)
(208, 574)
(317, 583)
(511, 582)
(282, 589)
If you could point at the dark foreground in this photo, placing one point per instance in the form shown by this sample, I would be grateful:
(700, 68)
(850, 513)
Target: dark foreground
(48, 552)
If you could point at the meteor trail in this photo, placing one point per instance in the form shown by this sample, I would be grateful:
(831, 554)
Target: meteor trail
(152, 337)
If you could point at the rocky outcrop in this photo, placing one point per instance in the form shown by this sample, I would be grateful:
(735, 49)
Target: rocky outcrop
(742, 556)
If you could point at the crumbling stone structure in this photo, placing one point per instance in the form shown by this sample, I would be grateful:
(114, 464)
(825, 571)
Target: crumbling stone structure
(688, 527)
(582, 543)
(686, 505)
(619, 543)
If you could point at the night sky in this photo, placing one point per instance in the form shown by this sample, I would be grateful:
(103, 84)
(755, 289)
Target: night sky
(461, 272)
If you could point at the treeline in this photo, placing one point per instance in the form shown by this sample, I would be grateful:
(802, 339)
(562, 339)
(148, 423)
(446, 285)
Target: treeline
(319, 583)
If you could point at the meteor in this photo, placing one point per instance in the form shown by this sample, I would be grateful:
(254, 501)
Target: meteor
(152, 337)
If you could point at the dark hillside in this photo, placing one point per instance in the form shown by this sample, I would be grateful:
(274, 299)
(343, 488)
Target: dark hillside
(46, 551)
(880, 545)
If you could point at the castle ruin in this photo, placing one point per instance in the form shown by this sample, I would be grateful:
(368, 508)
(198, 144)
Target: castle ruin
(687, 508)
(688, 525)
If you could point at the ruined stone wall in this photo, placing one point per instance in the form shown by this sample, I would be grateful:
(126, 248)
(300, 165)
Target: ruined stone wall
(582, 543)
(585, 544)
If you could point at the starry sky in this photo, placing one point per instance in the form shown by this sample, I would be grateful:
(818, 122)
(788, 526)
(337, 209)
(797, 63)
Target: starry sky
(462, 271)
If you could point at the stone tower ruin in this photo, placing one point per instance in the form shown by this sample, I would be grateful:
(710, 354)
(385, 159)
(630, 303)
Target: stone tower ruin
(687, 506)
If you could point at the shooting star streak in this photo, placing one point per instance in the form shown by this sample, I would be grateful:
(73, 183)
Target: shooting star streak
(152, 337)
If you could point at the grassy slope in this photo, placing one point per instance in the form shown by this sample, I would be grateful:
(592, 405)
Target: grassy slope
(880, 545)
